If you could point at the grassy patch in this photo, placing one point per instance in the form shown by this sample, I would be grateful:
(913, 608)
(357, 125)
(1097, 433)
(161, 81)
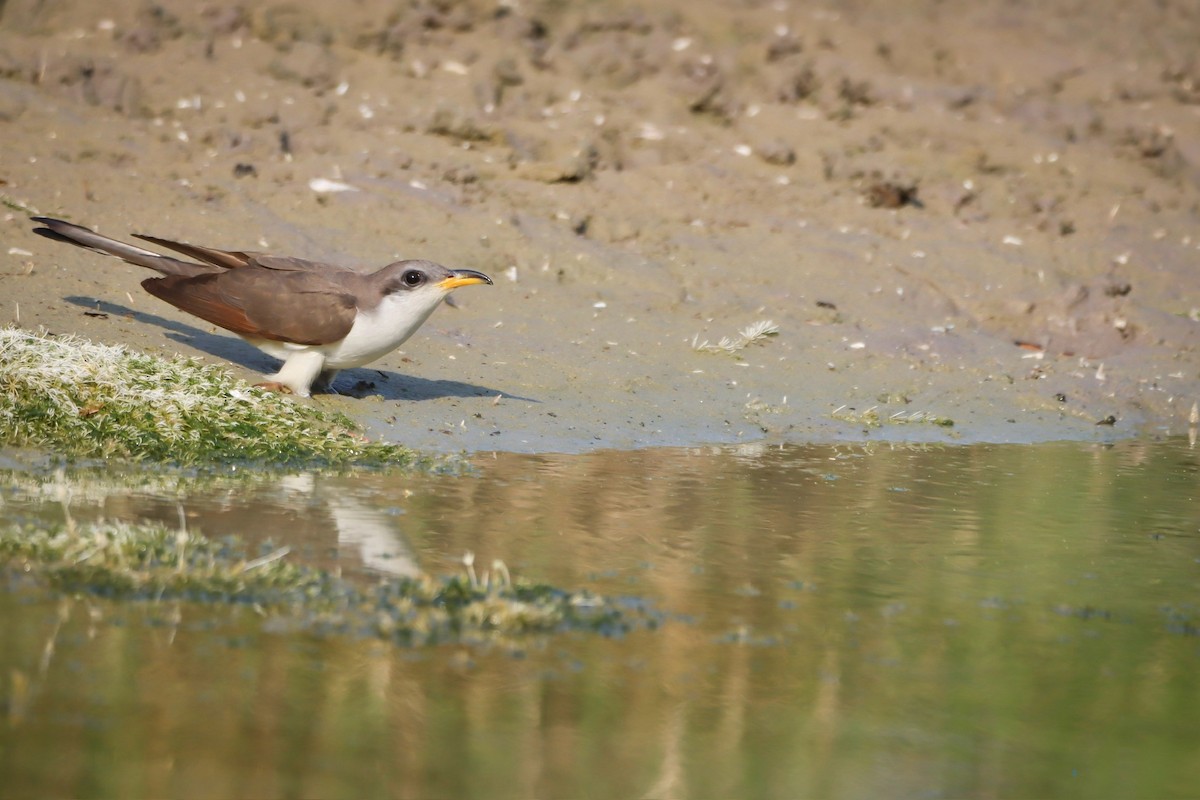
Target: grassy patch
(150, 562)
(80, 399)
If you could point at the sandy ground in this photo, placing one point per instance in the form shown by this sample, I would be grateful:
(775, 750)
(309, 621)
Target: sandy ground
(988, 212)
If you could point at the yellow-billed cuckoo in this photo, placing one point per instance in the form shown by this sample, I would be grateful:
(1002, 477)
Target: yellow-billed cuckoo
(318, 318)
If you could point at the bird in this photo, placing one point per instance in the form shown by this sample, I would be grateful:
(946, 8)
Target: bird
(317, 318)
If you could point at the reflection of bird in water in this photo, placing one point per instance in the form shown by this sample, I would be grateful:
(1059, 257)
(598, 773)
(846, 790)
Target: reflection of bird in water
(370, 531)
(381, 547)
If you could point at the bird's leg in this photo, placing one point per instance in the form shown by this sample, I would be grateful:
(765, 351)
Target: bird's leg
(324, 381)
(299, 371)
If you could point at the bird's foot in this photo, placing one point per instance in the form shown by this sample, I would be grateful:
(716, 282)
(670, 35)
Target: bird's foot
(274, 386)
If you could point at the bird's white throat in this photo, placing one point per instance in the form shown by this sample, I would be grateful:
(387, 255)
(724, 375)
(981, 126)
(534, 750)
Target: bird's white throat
(384, 328)
(375, 333)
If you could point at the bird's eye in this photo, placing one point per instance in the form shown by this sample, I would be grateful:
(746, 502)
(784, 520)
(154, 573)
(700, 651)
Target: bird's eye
(413, 278)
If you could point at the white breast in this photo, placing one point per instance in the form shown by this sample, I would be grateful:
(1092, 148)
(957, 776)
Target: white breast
(381, 330)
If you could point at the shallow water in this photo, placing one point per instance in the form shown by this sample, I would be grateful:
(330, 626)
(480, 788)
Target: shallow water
(839, 622)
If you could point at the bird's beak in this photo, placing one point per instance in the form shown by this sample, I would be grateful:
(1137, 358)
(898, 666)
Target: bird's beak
(462, 277)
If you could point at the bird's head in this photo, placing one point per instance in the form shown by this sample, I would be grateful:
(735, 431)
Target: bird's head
(428, 278)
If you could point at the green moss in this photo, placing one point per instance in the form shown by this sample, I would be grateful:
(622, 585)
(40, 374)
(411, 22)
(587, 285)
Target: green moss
(80, 399)
(15, 205)
(148, 562)
(871, 418)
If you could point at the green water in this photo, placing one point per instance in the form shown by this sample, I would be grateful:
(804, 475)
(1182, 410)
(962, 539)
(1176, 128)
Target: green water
(998, 621)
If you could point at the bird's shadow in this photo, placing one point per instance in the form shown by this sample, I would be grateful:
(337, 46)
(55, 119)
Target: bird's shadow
(361, 382)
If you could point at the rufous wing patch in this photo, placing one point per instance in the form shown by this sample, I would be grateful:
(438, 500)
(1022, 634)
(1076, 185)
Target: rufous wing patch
(197, 298)
(296, 308)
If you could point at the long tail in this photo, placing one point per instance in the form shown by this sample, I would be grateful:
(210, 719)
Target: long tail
(61, 231)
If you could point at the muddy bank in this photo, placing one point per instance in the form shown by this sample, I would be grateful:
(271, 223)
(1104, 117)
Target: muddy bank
(964, 212)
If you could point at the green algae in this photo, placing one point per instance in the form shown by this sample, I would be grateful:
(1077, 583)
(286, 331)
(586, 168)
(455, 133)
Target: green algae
(147, 562)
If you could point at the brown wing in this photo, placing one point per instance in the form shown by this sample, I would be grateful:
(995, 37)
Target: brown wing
(293, 264)
(234, 259)
(298, 307)
(230, 259)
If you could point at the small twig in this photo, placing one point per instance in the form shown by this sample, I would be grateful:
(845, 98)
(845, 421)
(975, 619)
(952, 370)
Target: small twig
(267, 559)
